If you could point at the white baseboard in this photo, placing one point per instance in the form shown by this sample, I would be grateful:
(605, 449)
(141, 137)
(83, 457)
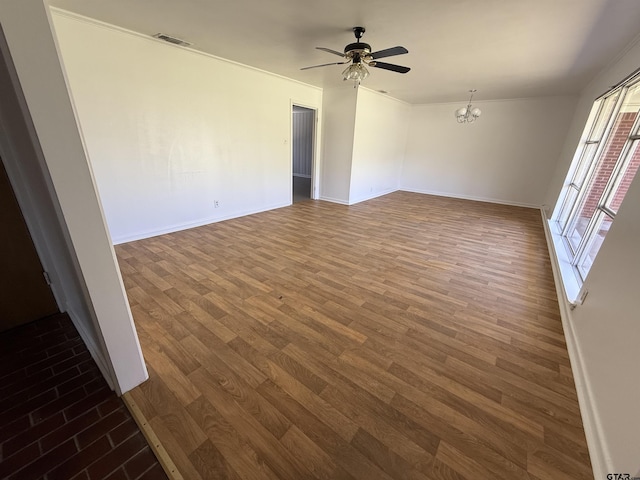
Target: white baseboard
(206, 221)
(333, 200)
(590, 419)
(196, 223)
(469, 197)
(373, 195)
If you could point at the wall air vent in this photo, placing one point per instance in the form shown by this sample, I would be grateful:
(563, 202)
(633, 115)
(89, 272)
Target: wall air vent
(170, 39)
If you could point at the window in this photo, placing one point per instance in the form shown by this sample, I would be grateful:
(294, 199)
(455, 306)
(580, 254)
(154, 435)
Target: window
(604, 166)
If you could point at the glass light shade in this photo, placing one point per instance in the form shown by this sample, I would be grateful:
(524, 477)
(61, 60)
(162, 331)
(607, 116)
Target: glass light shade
(468, 114)
(356, 72)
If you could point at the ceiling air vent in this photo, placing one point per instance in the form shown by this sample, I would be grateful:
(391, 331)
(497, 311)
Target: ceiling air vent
(170, 39)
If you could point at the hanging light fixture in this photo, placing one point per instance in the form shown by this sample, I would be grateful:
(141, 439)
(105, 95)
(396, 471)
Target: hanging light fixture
(468, 114)
(356, 72)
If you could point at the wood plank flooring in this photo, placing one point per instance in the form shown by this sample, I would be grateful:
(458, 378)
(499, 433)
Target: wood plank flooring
(406, 337)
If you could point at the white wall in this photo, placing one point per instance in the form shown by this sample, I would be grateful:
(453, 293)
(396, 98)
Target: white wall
(338, 126)
(27, 29)
(169, 131)
(507, 156)
(31, 183)
(379, 141)
(603, 334)
(607, 331)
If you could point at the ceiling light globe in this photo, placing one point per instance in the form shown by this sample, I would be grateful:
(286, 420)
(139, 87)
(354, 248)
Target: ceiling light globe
(349, 72)
(364, 73)
(356, 72)
(469, 113)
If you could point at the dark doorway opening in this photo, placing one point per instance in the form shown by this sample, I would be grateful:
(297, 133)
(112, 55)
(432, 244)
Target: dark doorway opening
(304, 120)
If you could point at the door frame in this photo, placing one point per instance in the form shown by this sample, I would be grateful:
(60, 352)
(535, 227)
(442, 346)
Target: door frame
(315, 151)
(33, 188)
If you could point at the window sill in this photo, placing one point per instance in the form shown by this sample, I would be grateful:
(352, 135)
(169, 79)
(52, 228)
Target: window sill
(570, 282)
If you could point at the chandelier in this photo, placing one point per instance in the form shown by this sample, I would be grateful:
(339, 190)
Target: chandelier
(468, 114)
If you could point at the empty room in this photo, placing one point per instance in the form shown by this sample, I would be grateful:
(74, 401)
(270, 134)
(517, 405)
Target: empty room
(353, 240)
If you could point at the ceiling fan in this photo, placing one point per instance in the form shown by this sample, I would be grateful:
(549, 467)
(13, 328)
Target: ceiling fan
(359, 55)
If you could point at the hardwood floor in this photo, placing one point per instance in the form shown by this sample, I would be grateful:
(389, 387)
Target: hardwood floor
(407, 337)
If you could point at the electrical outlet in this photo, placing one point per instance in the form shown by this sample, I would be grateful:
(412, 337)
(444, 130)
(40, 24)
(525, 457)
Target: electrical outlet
(216, 204)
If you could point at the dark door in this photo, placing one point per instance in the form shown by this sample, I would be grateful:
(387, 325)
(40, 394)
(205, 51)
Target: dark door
(24, 293)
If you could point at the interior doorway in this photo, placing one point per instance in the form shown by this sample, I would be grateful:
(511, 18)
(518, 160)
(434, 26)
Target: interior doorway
(303, 147)
(25, 295)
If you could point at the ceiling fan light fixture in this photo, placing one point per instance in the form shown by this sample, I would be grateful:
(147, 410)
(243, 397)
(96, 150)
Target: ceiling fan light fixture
(356, 72)
(468, 114)
(360, 57)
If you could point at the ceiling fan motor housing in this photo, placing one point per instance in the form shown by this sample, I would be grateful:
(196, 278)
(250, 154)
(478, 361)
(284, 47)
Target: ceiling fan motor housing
(359, 53)
(359, 47)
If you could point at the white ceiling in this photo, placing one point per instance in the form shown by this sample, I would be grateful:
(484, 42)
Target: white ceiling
(504, 48)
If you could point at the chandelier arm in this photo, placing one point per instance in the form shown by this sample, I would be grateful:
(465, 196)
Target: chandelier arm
(468, 114)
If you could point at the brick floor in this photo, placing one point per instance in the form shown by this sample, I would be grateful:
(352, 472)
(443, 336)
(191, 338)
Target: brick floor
(58, 417)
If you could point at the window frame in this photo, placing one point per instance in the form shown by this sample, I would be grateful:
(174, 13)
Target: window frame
(576, 190)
